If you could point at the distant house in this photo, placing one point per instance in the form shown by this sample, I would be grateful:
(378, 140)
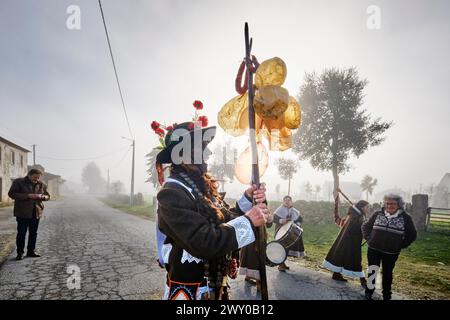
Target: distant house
(52, 181)
(13, 164)
(441, 196)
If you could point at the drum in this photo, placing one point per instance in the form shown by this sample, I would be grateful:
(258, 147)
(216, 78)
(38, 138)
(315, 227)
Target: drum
(288, 234)
(276, 253)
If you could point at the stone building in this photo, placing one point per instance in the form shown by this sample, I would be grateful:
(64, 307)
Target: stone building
(13, 164)
(53, 181)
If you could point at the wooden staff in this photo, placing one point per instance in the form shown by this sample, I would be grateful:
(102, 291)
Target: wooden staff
(260, 239)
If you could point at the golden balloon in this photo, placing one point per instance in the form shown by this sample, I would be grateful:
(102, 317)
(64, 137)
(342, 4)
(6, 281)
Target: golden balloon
(279, 140)
(271, 101)
(231, 113)
(292, 115)
(271, 72)
(243, 167)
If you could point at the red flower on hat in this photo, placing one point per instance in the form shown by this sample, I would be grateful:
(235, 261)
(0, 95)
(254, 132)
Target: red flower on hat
(169, 128)
(198, 105)
(203, 120)
(160, 132)
(191, 126)
(155, 125)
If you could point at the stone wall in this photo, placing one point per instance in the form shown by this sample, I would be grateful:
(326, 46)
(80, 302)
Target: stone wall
(9, 170)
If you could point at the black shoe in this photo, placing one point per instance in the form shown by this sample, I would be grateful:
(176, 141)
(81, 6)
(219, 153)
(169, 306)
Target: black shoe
(338, 277)
(33, 254)
(282, 267)
(368, 296)
(363, 283)
(19, 256)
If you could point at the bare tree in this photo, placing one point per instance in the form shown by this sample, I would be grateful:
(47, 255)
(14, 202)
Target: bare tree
(287, 168)
(92, 178)
(308, 190)
(317, 190)
(277, 190)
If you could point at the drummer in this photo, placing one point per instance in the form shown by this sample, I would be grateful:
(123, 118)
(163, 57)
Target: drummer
(284, 214)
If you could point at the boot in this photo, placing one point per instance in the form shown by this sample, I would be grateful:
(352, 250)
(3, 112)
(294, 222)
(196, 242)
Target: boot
(283, 267)
(33, 254)
(363, 282)
(258, 285)
(368, 296)
(338, 277)
(250, 280)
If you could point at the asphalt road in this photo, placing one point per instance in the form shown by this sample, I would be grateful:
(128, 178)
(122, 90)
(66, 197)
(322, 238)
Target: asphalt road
(111, 255)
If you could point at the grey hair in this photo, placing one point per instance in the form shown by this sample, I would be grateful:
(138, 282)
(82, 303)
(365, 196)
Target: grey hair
(397, 198)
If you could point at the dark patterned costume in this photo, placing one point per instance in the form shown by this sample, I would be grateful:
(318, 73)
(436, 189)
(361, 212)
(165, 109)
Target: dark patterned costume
(344, 256)
(386, 236)
(199, 247)
(250, 264)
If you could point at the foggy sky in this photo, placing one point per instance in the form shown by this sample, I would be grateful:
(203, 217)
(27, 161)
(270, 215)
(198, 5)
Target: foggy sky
(57, 86)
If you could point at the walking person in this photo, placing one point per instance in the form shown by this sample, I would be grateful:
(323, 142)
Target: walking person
(344, 257)
(387, 232)
(28, 194)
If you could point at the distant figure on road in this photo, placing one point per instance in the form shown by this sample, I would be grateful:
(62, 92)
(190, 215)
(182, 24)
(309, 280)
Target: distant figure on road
(284, 214)
(344, 257)
(387, 232)
(28, 194)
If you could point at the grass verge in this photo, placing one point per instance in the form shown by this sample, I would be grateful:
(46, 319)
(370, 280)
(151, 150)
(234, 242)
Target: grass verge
(421, 272)
(144, 211)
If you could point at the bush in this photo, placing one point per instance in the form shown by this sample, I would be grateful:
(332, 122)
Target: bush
(124, 199)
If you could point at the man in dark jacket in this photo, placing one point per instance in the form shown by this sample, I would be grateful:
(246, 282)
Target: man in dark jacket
(387, 232)
(28, 193)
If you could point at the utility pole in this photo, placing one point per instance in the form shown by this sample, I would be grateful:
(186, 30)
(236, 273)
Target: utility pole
(133, 144)
(34, 154)
(108, 185)
(132, 175)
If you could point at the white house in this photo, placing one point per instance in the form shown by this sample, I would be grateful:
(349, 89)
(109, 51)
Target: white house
(441, 196)
(13, 165)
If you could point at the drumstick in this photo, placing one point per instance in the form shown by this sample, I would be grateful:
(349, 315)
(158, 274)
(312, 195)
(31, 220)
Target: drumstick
(346, 198)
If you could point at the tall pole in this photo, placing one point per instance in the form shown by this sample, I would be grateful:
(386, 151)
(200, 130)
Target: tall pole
(260, 237)
(34, 154)
(132, 175)
(108, 185)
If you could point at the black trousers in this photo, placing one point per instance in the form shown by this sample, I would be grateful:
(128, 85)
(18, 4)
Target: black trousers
(387, 261)
(23, 225)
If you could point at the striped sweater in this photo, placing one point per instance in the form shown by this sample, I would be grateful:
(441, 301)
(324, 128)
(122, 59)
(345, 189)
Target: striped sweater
(389, 235)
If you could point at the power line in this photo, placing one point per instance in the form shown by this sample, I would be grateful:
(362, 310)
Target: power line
(120, 161)
(115, 70)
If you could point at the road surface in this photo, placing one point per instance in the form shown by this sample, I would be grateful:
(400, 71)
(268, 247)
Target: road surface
(115, 255)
